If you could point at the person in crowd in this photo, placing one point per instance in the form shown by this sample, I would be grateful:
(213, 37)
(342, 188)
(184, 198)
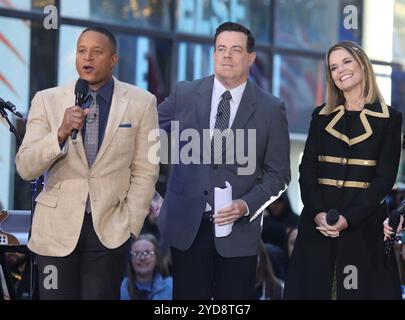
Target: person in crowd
(268, 286)
(278, 220)
(350, 164)
(291, 238)
(147, 277)
(16, 263)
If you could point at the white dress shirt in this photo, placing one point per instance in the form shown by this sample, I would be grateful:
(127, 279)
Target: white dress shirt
(217, 93)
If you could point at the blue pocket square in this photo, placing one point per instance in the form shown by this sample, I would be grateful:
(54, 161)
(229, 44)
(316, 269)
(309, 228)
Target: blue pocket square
(125, 125)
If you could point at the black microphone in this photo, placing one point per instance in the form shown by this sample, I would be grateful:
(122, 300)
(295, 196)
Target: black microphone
(401, 208)
(10, 106)
(81, 89)
(332, 217)
(393, 222)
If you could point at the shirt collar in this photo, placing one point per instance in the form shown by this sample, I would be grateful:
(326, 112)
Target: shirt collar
(236, 93)
(158, 284)
(105, 92)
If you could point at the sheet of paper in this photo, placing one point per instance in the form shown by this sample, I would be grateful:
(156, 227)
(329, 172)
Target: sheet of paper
(223, 198)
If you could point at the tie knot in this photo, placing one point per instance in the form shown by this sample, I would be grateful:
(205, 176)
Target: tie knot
(227, 95)
(93, 95)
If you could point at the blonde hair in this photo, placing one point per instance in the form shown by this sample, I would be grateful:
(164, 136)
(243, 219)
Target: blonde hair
(371, 92)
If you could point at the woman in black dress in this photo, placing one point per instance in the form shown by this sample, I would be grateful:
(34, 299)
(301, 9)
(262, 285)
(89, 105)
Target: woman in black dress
(350, 163)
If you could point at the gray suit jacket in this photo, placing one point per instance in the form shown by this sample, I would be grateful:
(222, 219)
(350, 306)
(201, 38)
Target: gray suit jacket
(186, 196)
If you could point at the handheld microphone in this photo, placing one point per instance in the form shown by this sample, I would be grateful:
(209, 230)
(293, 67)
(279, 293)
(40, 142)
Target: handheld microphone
(401, 208)
(81, 88)
(10, 107)
(393, 222)
(332, 217)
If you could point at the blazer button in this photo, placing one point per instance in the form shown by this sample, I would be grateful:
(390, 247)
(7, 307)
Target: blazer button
(339, 183)
(343, 161)
(366, 185)
(205, 193)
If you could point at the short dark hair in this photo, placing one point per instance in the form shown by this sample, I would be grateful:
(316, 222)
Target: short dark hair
(233, 26)
(105, 32)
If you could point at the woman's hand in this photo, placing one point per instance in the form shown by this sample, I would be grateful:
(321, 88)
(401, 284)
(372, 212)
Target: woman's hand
(326, 229)
(388, 230)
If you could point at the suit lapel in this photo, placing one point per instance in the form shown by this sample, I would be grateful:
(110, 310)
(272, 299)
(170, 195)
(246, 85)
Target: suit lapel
(119, 106)
(337, 125)
(202, 101)
(245, 110)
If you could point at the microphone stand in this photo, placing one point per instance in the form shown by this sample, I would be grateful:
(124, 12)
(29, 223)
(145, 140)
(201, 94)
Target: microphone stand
(11, 126)
(34, 185)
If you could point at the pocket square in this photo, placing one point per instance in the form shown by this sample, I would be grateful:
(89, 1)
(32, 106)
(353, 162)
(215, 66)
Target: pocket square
(125, 125)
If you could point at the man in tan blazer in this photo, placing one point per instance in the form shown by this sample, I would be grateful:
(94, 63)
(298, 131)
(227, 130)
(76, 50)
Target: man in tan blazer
(91, 202)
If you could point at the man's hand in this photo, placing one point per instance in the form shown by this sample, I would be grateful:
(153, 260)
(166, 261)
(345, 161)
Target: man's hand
(231, 213)
(327, 230)
(73, 119)
(155, 205)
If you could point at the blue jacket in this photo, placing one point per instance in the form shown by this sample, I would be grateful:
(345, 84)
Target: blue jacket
(161, 290)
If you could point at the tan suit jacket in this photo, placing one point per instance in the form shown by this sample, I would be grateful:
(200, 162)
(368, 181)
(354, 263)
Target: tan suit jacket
(120, 182)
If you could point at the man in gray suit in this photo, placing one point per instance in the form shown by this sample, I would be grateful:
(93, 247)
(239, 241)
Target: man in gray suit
(206, 266)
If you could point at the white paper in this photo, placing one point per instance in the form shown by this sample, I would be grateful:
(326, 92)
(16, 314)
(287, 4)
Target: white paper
(223, 198)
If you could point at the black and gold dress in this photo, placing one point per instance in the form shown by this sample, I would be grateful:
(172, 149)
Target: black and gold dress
(350, 163)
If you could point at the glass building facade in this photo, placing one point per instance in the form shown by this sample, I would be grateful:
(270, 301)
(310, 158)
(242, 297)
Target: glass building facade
(163, 41)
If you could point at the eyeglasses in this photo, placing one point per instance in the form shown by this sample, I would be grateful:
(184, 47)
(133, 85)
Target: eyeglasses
(143, 254)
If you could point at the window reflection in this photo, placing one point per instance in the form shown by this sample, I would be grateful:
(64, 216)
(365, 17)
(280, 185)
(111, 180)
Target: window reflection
(300, 83)
(139, 13)
(398, 89)
(260, 71)
(15, 36)
(312, 24)
(383, 77)
(194, 61)
(34, 5)
(203, 17)
(399, 32)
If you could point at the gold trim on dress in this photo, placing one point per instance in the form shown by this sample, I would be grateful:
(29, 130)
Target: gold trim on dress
(345, 184)
(346, 161)
(368, 131)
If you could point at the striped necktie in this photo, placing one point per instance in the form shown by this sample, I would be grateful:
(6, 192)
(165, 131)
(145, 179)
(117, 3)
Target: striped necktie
(218, 141)
(91, 137)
